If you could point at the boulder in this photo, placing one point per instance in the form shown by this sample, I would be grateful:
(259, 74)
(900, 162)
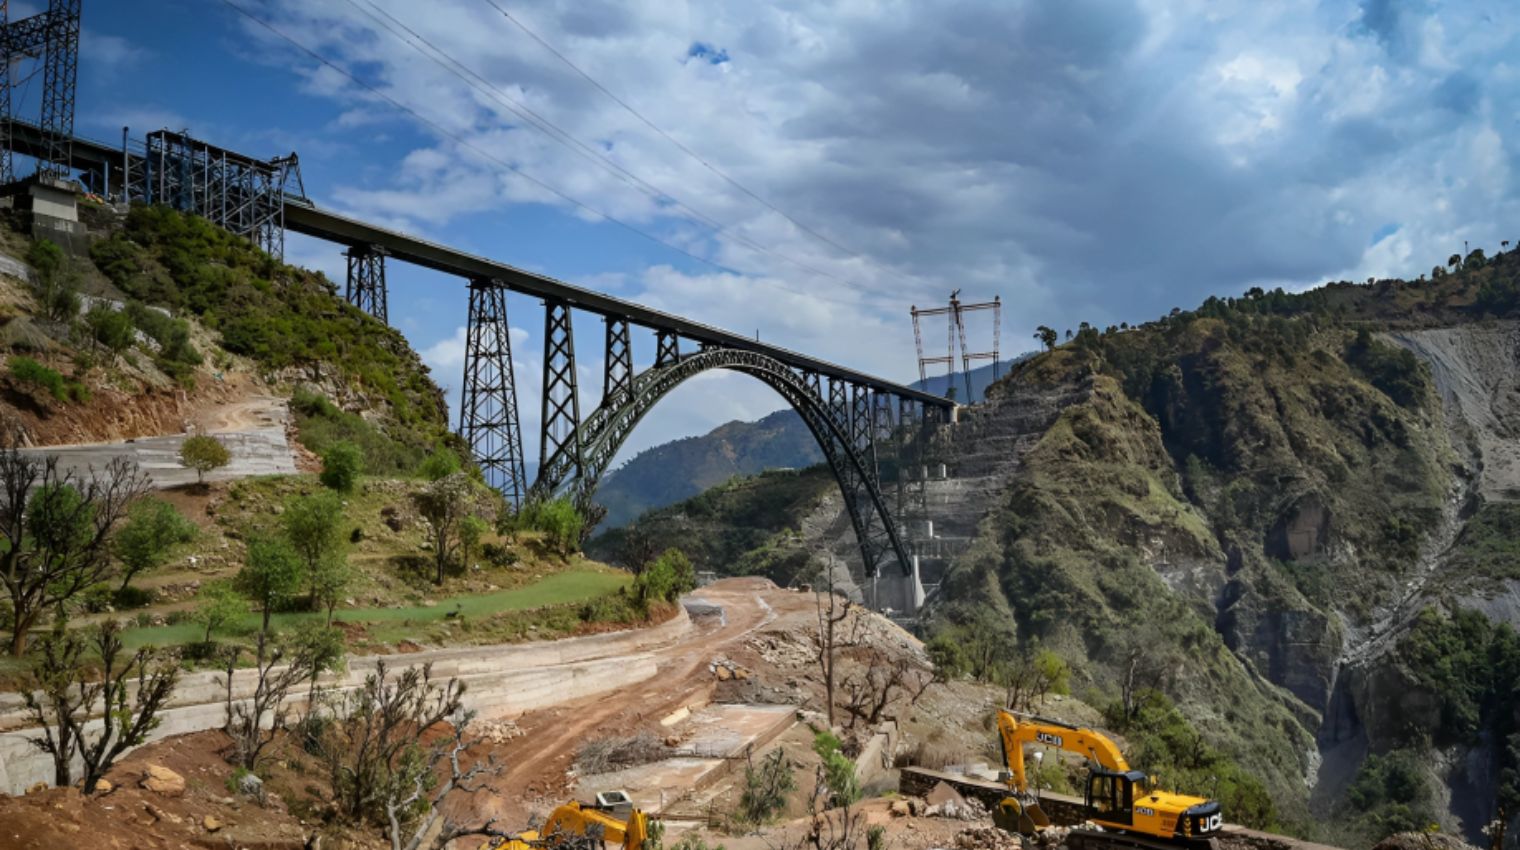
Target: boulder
(163, 781)
(211, 822)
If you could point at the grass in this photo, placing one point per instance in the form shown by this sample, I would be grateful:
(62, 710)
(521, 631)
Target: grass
(570, 587)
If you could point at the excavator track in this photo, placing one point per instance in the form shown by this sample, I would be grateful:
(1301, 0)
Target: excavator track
(1091, 839)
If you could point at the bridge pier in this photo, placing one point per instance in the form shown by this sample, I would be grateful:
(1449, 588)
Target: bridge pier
(488, 410)
(617, 371)
(561, 409)
(366, 281)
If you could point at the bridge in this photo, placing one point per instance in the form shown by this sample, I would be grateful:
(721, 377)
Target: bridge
(854, 416)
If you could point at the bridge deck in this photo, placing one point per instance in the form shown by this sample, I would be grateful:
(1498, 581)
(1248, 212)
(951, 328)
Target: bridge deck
(307, 219)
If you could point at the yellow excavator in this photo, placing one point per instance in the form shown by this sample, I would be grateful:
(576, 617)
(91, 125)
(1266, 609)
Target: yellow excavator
(1118, 800)
(612, 818)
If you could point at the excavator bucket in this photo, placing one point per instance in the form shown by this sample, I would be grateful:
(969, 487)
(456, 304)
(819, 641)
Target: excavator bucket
(1019, 817)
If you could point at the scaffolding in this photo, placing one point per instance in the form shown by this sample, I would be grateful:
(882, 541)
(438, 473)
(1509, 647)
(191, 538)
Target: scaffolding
(231, 190)
(956, 313)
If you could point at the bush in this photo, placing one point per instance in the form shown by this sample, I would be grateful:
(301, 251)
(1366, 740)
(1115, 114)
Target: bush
(110, 328)
(341, 465)
(321, 424)
(765, 789)
(25, 370)
(838, 770)
(441, 463)
(665, 580)
(557, 519)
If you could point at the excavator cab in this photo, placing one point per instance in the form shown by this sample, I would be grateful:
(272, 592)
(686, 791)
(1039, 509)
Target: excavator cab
(1111, 795)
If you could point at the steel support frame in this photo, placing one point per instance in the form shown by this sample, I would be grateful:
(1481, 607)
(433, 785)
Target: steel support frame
(561, 411)
(488, 418)
(667, 348)
(235, 192)
(60, 77)
(617, 367)
(607, 427)
(366, 282)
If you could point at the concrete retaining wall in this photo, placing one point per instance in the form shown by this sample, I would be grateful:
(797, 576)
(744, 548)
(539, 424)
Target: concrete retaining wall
(500, 681)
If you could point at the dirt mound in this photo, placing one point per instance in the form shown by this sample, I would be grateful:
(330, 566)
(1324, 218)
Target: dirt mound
(1422, 841)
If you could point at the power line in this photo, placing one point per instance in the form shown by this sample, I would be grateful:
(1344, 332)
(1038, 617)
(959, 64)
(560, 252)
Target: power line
(446, 61)
(682, 147)
(461, 141)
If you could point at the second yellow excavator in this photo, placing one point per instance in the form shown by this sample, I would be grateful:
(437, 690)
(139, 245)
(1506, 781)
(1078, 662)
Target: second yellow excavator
(611, 819)
(1117, 799)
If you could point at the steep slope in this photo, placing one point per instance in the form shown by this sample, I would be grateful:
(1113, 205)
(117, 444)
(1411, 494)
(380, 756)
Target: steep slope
(1288, 514)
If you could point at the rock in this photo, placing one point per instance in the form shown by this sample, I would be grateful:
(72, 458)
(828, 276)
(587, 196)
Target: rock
(38, 788)
(672, 741)
(161, 780)
(941, 794)
(211, 823)
(159, 814)
(724, 674)
(250, 785)
(103, 787)
(900, 809)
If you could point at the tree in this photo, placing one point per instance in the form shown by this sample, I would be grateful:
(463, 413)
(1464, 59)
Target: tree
(219, 607)
(882, 681)
(443, 505)
(203, 453)
(1047, 337)
(143, 542)
(64, 695)
(271, 574)
(832, 611)
(638, 548)
(112, 329)
(666, 579)
(1030, 676)
(329, 580)
(557, 519)
(55, 281)
(54, 532)
(341, 465)
(471, 529)
(311, 524)
(765, 787)
(278, 665)
(1453, 261)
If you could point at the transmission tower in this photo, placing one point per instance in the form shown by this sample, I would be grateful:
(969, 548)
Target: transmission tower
(54, 36)
(956, 313)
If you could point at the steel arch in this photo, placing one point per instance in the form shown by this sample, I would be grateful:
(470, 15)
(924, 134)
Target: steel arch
(604, 431)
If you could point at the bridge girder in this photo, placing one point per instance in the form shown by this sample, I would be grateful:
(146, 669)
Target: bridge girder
(603, 432)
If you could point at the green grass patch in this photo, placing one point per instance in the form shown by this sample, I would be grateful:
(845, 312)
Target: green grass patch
(570, 587)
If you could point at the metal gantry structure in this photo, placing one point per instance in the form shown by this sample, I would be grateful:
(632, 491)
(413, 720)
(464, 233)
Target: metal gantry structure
(855, 417)
(52, 36)
(956, 314)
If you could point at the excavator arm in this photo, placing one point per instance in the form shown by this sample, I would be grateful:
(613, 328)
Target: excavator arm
(573, 819)
(1016, 734)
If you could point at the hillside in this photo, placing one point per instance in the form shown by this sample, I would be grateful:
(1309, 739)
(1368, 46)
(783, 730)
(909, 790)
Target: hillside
(1290, 515)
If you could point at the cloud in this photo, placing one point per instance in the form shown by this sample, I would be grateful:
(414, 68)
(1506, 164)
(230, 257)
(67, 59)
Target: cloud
(1089, 161)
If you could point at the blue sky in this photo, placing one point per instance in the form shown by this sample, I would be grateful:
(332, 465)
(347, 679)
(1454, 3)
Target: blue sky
(1087, 161)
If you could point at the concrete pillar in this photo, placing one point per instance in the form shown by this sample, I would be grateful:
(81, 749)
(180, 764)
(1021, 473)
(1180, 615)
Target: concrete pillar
(943, 472)
(917, 589)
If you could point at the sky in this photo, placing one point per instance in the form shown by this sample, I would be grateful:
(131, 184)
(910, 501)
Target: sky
(808, 171)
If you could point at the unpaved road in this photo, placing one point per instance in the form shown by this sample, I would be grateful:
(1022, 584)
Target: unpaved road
(253, 429)
(536, 777)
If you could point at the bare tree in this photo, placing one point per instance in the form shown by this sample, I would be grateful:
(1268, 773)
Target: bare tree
(372, 750)
(67, 694)
(407, 830)
(638, 550)
(55, 526)
(278, 668)
(884, 680)
(833, 612)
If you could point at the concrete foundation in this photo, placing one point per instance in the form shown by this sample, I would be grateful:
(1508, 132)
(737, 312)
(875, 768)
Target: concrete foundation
(50, 210)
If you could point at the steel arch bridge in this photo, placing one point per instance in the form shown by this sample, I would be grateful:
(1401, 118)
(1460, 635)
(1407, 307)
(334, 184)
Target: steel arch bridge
(846, 430)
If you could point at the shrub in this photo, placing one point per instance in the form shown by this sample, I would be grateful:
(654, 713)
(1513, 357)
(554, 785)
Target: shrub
(664, 580)
(203, 454)
(766, 787)
(111, 329)
(341, 465)
(557, 519)
(442, 462)
(25, 370)
(838, 770)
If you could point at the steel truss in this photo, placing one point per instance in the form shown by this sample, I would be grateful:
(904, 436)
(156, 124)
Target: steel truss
(562, 436)
(231, 190)
(606, 428)
(366, 282)
(617, 373)
(488, 413)
(53, 35)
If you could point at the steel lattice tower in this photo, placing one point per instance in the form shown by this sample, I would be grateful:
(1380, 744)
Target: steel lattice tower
(60, 75)
(366, 282)
(488, 410)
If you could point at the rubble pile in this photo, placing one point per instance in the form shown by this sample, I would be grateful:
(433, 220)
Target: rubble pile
(985, 838)
(726, 670)
(495, 731)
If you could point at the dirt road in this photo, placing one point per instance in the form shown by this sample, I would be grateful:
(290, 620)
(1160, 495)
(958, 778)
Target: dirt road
(538, 763)
(253, 429)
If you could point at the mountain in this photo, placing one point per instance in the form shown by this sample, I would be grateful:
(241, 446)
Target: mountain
(681, 469)
(1276, 536)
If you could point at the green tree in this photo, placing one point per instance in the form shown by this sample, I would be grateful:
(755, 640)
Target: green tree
(54, 281)
(203, 453)
(111, 329)
(557, 519)
(440, 464)
(144, 541)
(766, 787)
(838, 770)
(471, 529)
(664, 580)
(342, 464)
(1047, 337)
(218, 607)
(55, 532)
(443, 505)
(330, 579)
(271, 574)
(312, 524)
